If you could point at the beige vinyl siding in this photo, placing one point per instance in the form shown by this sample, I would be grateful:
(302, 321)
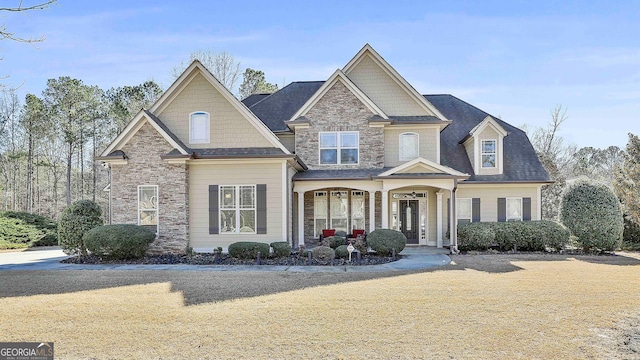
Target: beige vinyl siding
(428, 144)
(489, 134)
(203, 175)
(489, 198)
(289, 141)
(228, 127)
(419, 169)
(383, 90)
(468, 146)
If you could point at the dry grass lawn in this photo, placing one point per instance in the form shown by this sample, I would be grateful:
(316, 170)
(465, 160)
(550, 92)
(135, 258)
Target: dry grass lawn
(481, 307)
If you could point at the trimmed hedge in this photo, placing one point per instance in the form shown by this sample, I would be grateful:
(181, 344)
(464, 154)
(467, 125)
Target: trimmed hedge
(120, 241)
(248, 249)
(527, 235)
(15, 234)
(323, 253)
(342, 252)
(47, 226)
(382, 241)
(594, 215)
(334, 241)
(281, 249)
(77, 219)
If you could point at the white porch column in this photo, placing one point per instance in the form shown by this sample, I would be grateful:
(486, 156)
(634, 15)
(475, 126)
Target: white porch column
(385, 209)
(454, 220)
(372, 211)
(439, 219)
(300, 218)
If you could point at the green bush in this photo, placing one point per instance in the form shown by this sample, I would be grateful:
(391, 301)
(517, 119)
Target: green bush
(527, 235)
(593, 214)
(15, 234)
(342, 252)
(341, 233)
(77, 219)
(382, 241)
(248, 250)
(323, 253)
(48, 227)
(631, 232)
(281, 249)
(333, 241)
(360, 244)
(475, 236)
(120, 241)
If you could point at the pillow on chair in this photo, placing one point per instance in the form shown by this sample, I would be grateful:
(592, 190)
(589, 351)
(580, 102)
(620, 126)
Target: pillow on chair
(328, 232)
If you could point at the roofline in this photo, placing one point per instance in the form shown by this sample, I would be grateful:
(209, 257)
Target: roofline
(508, 182)
(429, 176)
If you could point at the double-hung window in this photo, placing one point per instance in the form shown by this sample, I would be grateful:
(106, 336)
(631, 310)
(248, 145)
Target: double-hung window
(320, 206)
(237, 209)
(409, 146)
(339, 147)
(357, 210)
(464, 210)
(488, 153)
(199, 127)
(339, 210)
(514, 209)
(148, 207)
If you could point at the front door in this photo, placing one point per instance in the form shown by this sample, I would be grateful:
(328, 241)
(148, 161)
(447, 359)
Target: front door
(409, 225)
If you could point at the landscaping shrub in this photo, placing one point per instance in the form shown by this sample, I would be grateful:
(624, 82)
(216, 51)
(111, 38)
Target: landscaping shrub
(77, 219)
(323, 253)
(341, 233)
(342, 252)
(360, 244)
(593, 214)
(382, 241)
(248, 250)
(475, 236)
(47, 226)
(333, 241)
(281, 249)
(15, 234)
(527, 235)
(121, 241)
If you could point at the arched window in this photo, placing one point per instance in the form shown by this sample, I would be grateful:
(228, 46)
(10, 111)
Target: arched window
(409, 146)
(199, 127)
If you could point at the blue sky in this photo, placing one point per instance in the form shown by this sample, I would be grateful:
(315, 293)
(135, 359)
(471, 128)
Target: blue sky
(514, 59)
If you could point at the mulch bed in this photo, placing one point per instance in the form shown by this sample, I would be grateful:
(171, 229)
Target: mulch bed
(225, 259)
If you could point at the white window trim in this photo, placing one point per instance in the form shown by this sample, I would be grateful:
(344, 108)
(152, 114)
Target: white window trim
(470, 200)
(208, 131)
(338, 146)
(326, 210)
(343, 193)
(157, 210)
(495, 153)
(400, 158)
(506, 205)
(237, 209)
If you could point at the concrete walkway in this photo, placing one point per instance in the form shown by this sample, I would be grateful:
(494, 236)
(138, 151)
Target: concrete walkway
(414, 258)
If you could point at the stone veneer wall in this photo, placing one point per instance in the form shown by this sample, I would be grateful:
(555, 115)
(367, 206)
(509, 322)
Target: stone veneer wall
(340, 110)
(146, 168)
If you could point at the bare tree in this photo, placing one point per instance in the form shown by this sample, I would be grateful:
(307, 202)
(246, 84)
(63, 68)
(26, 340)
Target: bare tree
(4, 32)
(221, 64)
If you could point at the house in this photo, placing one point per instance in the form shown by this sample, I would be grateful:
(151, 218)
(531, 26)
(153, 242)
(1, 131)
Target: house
(360, 150)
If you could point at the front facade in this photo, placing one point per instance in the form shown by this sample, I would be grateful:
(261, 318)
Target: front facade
(360, 151)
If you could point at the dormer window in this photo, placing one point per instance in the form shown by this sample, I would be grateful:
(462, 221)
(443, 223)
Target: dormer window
(488, 153)
(409, 146)
(199, 127)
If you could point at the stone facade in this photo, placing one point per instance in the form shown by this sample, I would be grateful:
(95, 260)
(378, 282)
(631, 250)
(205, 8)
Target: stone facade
(340, 110)
(145, 167)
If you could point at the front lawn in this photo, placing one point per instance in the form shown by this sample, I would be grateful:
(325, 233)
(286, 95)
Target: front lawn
(479, 307)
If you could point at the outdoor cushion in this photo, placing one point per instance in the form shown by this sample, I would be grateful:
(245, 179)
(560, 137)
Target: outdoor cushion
(356, 233)
(328, 232)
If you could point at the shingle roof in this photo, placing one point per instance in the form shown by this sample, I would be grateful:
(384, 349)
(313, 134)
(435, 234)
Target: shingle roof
(166, 130)
(252, 99)
(278, 107)
(343, 174)
(521, 162)
(237, 152)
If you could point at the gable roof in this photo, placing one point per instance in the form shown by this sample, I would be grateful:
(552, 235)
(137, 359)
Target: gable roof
(522, 163)
(367, 50)
(189, 74)
(487, 122)
(278, 107)
(429, 166)
(145, 116)
(338, 76)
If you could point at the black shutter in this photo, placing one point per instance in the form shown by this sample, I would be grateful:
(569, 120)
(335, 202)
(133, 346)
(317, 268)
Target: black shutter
(261, 206)
(475, 209)
(214, 226)
(502, 209)
(526, 209)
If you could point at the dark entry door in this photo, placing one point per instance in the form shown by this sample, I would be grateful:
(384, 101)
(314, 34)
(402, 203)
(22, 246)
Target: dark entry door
(409, 220)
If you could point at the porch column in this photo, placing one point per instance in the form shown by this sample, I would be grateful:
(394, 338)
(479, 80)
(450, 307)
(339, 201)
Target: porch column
(439, 219)
(372, 211)
(385, 209)
(453, 246)
(300, 218)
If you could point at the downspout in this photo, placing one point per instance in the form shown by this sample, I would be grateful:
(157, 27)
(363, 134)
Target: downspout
(453, 248)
